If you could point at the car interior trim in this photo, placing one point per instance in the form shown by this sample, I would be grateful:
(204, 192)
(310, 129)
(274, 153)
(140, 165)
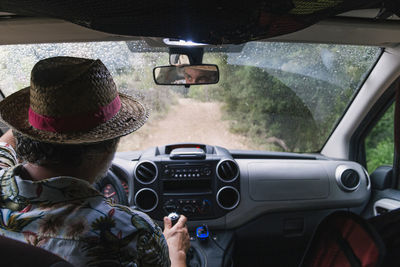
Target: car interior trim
(383, 75)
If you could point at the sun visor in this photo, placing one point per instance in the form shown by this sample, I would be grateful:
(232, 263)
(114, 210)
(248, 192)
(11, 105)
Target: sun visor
(211, 22)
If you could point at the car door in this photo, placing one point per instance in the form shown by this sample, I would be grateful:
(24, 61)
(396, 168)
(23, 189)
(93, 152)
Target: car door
(373, 146)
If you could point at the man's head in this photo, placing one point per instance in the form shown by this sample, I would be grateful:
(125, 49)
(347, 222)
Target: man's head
(93, 160)
(71, 115)
(200, 74)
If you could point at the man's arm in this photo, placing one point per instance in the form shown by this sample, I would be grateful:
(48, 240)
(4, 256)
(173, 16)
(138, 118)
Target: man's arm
(8, 138)
(8, 157)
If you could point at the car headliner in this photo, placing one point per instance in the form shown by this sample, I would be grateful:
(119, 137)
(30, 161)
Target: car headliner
(356, 27)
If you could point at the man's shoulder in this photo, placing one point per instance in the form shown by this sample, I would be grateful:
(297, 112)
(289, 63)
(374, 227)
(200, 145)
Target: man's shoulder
(8, 157)
(126, 217)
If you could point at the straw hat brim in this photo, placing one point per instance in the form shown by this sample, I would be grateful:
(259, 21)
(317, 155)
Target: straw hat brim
(131, 116)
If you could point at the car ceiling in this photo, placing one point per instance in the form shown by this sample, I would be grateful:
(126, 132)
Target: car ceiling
(215, 22)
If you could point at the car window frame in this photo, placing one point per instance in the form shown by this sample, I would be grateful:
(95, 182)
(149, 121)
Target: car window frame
(356, 92)
(357, 141)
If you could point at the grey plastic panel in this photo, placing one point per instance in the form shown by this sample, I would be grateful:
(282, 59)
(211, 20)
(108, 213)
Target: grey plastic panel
(287, 180)
(249, 209)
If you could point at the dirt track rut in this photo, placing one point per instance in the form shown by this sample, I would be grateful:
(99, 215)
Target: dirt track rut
(187, 121)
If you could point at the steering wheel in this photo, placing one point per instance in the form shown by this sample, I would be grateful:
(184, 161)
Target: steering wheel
(113, 180)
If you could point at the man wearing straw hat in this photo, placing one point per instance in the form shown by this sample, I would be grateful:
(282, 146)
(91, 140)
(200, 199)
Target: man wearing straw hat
(65, 130)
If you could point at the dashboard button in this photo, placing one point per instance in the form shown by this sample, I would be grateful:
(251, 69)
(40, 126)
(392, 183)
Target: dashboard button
(205, 205)
(188, 209)
(170, 206)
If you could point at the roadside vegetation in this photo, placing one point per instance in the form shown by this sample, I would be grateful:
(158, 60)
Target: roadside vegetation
(132, 72)
(379, 145)
(287, 97)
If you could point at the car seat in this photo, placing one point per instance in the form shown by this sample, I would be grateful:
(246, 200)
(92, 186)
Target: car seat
(347, 240)
(14, 253)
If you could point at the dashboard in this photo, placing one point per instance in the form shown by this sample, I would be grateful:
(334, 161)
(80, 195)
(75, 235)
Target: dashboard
(255, 200)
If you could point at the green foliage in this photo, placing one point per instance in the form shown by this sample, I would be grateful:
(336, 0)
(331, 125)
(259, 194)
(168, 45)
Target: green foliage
(266, 109)
(287, 96)
(132, 72)
(380, 155)
(379, 146)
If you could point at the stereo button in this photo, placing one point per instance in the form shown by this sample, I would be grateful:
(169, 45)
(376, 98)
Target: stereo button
(189, 209)
(205, 205)
(170, 206)
(207, 171)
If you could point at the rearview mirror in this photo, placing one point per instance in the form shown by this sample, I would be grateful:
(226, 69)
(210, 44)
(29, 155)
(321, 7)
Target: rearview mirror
(186, 74)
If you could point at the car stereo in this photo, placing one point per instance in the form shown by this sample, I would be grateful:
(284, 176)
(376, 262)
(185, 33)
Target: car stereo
(188, 181)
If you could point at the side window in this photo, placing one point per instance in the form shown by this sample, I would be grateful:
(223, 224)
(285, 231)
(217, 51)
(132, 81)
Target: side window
(379, 143)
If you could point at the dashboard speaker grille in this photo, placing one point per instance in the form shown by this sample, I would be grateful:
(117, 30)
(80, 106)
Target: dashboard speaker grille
(146, 172)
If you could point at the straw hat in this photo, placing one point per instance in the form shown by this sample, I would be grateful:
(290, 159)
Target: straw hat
(72, 101)
(203, 67)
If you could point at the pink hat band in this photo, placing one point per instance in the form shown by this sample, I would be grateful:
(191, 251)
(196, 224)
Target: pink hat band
(80, 122)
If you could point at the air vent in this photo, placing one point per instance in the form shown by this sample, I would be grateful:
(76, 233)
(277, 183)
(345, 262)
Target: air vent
(348, 179)
(228, 197)
(146, 172)
(227, 170)
(146, 199)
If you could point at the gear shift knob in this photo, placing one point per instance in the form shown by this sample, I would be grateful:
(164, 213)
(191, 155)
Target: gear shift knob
(174, 217)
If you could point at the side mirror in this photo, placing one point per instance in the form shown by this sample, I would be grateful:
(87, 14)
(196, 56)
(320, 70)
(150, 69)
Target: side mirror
(186, 74)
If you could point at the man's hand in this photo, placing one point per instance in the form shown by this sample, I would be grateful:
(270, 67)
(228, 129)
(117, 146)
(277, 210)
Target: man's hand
(178, 241)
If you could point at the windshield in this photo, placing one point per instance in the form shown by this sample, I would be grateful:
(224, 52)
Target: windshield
(271, 96)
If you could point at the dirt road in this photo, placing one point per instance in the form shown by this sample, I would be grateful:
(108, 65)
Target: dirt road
(188, 121)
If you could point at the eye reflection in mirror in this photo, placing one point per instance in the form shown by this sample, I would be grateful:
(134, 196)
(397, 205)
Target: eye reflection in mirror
(186, 74)
(199, 74)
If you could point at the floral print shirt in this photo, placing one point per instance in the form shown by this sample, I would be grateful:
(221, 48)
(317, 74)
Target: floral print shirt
(70, 218)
